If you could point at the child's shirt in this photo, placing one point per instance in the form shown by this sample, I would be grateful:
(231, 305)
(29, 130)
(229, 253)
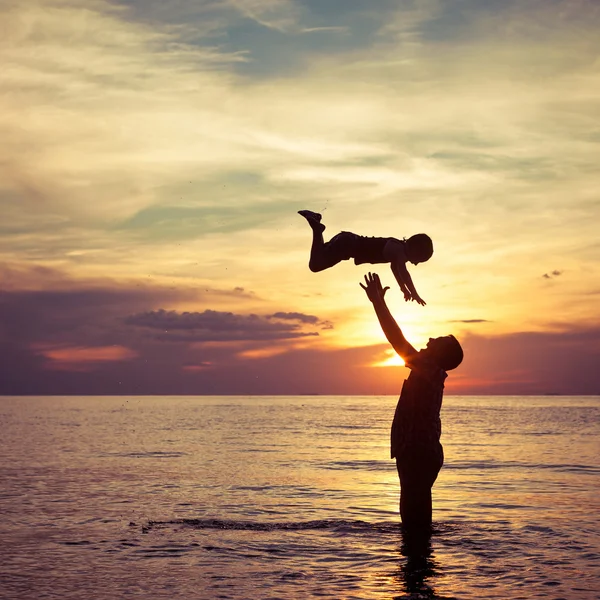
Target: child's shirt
(370, 249)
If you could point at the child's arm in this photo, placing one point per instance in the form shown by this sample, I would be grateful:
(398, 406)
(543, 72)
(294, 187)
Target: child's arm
(405, 282)
(390, 328)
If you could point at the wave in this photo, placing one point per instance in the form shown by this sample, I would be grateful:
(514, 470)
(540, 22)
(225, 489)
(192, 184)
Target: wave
(334, 525)
(386, 465)
(363, 465)
(497, 464)
(151, 454)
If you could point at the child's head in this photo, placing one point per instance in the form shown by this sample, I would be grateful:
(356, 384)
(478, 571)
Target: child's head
(419, 248)
(447, 352)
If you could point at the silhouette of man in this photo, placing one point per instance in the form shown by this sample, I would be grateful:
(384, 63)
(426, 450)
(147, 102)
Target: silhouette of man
(416, 429)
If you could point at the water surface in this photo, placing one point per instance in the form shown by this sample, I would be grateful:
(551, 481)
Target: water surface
(293, 497)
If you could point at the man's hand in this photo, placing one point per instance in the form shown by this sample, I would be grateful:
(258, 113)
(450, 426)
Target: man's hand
(373, 287)
(392, 332)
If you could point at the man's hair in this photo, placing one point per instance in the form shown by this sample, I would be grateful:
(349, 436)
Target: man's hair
(419, 247)
(451, 356)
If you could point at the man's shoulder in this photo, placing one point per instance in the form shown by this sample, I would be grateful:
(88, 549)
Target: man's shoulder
(423, 367)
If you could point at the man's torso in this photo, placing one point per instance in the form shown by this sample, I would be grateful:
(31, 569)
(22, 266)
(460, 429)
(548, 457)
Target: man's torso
(417, 418)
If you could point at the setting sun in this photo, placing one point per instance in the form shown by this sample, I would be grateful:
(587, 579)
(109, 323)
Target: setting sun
(392, 360)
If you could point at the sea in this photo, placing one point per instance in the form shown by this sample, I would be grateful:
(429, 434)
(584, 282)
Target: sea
(293, 497)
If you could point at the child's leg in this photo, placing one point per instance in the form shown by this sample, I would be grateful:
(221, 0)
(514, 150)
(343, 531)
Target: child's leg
(317, 249)
(323, 255)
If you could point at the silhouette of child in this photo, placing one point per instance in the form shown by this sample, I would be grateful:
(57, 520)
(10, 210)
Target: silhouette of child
(416, 429)
(345, 245)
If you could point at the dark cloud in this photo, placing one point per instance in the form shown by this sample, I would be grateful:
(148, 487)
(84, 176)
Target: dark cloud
(231, 336)
(241, 291)
(296, 316)
(22, 277)
(552, 274)
(557, 362)
(75, 340)
(217, 326)
(75, 337)
(517, 364)
(77, 321)
(236, 292)
(470, 321)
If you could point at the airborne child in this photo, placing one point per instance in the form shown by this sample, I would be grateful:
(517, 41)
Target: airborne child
(373, 250)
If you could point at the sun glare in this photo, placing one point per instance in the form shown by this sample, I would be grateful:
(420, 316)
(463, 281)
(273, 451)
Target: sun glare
(391, 360)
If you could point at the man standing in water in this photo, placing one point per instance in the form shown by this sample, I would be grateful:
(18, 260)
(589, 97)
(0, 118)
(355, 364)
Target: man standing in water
(416, 428)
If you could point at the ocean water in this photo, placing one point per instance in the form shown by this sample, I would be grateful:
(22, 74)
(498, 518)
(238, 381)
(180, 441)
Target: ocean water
(292, 498)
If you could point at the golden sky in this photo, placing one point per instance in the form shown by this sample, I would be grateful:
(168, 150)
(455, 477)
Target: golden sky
(155, 154)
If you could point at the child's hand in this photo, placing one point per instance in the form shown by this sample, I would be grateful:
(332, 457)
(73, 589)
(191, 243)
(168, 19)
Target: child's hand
(374, 289)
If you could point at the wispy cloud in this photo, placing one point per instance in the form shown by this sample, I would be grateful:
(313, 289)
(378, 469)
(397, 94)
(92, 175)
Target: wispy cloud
(274, 14)
(470, 321)
(332, 29)
(406, 23)
(77, 358)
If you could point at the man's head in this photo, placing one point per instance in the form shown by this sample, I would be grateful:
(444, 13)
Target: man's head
(419, 248)
(446, 351)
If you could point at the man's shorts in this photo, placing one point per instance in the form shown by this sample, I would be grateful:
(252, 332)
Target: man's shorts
(419, 465)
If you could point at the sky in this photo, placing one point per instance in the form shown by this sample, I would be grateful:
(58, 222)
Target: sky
(155, 154)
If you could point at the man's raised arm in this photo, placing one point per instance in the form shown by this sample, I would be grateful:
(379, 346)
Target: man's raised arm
(392, 331)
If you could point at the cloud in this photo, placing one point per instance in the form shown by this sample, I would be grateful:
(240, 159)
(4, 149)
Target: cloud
(273, 14)
(407, 23)
(139, 126)
(519, 364)
(217, 326)
(301, 317)
(111, 106)
(295, 316)
(195, 367)
(552, 275)
(77, 358)
(43, 307)
(563, 361)
(333, 29)
(73, 335)
(470, 321)
(78, 338)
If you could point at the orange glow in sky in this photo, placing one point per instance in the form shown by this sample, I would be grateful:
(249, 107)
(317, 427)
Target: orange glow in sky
(392, 360)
